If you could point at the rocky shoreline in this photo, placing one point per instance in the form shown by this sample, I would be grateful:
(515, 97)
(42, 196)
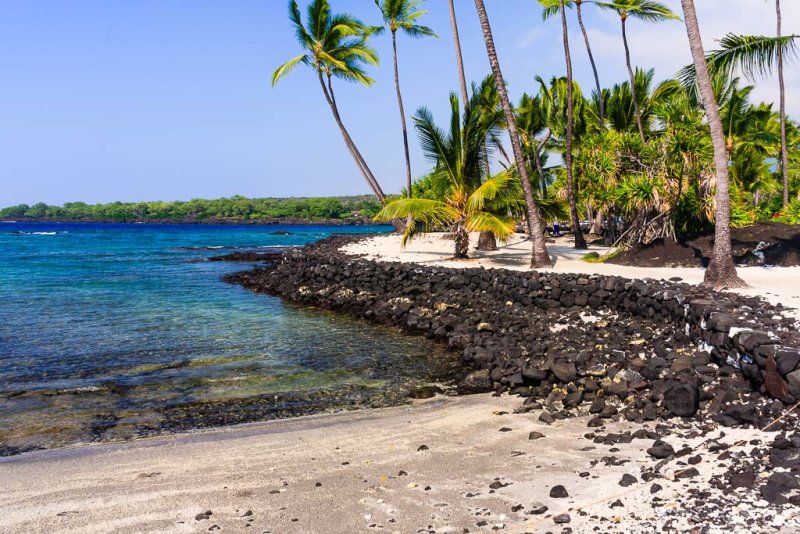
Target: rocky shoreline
(691, 361)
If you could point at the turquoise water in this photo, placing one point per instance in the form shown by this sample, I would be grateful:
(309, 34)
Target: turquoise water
(111, 331)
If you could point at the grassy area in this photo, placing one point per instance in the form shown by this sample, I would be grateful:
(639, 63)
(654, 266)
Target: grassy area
(594, 257)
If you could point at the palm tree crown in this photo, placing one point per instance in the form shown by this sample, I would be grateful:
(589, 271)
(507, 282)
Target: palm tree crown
(401, 15)
(335, 44)
(644, 10)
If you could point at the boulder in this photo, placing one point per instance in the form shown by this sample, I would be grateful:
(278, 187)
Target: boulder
(682, 400)
(475, 382)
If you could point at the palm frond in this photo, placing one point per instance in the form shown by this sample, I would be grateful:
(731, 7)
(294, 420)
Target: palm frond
(287, 67)
(501, 227)
(488, 190)
(753, 55)
(426, 214)
(550, 8)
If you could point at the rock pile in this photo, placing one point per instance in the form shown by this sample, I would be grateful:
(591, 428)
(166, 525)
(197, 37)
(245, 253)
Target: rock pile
(642, 349)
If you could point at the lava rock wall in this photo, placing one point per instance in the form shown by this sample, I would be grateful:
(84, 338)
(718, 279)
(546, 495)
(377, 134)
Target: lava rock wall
(656, 348)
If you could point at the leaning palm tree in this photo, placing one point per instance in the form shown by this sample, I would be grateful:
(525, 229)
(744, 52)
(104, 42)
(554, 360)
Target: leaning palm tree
(551, 7)
(644, 10)
(335, 46)
(721, 272)
(539, 256)
(402, 15)
(458, 158)
(462, 79)
(580, 242)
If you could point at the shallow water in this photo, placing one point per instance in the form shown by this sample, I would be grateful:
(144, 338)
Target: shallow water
(112, 331)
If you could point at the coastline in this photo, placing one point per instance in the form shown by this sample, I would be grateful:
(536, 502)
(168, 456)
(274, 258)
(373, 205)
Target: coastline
(480, 462)
(209, 222)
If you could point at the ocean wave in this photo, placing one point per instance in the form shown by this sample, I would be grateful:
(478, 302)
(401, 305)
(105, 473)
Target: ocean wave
(20, 232)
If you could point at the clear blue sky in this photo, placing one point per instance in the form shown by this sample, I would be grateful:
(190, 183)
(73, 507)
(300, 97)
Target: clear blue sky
(106, 100)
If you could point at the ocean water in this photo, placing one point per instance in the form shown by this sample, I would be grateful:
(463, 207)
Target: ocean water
(112, 331)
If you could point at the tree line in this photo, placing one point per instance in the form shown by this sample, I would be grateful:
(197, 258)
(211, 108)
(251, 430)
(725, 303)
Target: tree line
(237, 208)
(639, 159)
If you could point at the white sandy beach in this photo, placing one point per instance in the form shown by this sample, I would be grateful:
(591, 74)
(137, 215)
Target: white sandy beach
(775, 284)
(354, 472)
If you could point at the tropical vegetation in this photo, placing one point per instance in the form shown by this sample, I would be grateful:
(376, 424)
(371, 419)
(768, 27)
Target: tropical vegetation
(631, 161)
(231, 209)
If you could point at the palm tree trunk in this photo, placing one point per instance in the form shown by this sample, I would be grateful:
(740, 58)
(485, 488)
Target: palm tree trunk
(578, 4)
(633, 82)
(402, 113)
(487, 241)
(461, 238)
(359, 159)
(721, 272)
(580, 242)
(539, 256)
(459, 58)
(539, 170)
(784, 148)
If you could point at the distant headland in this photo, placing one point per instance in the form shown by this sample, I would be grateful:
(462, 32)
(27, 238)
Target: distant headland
(356, 210)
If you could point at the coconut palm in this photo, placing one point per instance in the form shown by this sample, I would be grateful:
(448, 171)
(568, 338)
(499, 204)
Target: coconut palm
(747, 127)
(401, 15)
(539, 256)
(550, 8)
(646, 11)
(531, 122)
(462, 79)
(459, 169)
(621, 104)
(335, 46)
(721, 272)
(549, 5)
(488, 103)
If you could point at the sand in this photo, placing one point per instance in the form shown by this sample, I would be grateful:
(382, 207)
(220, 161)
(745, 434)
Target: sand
(775, 284)
(342, 473)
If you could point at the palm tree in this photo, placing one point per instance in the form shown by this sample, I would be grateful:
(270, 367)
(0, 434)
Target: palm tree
(721, 272)
(531, 122)
(539, 256)
(458, 157)
(644, 10)
(488, 102)
(459, 58)
(580, 242)
(335, 46)
(402, 15)
(551, 7)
